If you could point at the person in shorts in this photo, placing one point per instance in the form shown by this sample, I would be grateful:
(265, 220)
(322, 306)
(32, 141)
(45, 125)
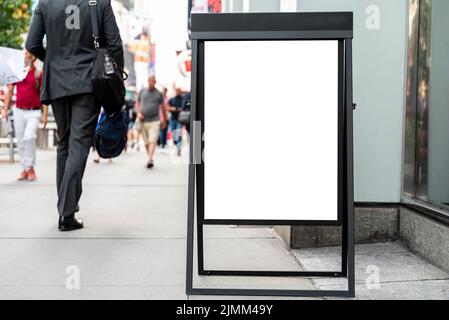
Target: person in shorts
(150, 104)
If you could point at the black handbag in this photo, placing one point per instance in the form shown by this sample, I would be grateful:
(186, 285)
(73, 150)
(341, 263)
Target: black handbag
(184, 115)
(111, 135)
(107, 79)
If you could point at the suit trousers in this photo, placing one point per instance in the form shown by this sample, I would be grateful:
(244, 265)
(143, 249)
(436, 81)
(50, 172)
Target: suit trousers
(76, 118)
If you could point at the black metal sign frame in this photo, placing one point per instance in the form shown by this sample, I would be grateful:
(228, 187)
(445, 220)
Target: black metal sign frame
(272, 26)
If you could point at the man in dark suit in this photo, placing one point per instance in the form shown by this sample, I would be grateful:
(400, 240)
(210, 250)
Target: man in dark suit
(67, 85)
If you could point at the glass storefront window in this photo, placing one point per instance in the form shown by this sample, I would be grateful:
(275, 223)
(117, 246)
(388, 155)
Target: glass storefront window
(426, 169)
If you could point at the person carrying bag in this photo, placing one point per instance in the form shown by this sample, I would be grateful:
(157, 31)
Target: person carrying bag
(70, 84)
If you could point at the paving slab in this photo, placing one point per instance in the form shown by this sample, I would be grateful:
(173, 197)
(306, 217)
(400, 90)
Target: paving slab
(93, 293)
(111, 262)
(132, 213)
(403, 290)
(236, 232)
(398, 272)
(248, 254)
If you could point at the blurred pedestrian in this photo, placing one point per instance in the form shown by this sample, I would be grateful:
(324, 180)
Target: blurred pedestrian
(137, 132)
(186, 103)
(149, 106)
(27, 114)
(132, 116)
(2, 98)
(163, 133)
(175, 107)
(67, 85)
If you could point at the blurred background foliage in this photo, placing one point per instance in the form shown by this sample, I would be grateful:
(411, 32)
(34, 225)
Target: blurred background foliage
(15, 16)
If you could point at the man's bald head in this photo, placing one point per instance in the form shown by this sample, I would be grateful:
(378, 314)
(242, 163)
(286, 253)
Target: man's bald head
(151, 82)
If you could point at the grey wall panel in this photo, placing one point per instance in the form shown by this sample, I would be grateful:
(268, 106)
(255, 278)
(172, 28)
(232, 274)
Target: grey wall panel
(379, 82)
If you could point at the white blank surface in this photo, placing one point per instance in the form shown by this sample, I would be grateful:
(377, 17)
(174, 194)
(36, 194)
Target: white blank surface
(271, 130)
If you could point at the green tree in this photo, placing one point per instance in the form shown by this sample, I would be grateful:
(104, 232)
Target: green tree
(15, 16)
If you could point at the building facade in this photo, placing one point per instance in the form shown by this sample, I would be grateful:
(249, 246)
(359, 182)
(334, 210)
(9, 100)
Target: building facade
(401, 124)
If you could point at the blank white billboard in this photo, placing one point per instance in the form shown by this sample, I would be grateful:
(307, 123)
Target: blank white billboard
(271, 130)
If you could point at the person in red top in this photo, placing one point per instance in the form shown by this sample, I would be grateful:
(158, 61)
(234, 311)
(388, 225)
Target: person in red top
(27, 114)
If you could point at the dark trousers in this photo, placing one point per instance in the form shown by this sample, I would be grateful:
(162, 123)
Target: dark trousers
(163, 134)
(76, 118)
(176, 133)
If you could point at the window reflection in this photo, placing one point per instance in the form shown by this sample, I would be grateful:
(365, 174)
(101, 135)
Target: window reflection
(432, 110)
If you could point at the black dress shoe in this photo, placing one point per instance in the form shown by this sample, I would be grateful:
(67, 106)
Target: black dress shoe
(69, 224)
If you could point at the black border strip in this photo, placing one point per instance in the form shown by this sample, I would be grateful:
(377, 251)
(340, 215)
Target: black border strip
(341, 155)
(270, 35)
(322, 22)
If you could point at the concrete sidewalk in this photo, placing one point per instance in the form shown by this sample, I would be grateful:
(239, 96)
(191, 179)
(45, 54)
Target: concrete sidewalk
(133, 246)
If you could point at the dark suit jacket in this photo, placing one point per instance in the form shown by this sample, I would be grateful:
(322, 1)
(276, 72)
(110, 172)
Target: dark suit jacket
(69, 52)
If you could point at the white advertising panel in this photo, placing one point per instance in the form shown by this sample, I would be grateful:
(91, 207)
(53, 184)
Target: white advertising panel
(271, 130)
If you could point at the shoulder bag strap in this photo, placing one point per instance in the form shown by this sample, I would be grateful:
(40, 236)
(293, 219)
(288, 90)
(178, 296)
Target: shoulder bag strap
(94, 21)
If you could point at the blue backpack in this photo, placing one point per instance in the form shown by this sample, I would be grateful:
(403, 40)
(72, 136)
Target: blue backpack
(111, 135)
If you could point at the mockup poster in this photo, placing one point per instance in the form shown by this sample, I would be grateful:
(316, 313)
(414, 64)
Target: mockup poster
(271, 130)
